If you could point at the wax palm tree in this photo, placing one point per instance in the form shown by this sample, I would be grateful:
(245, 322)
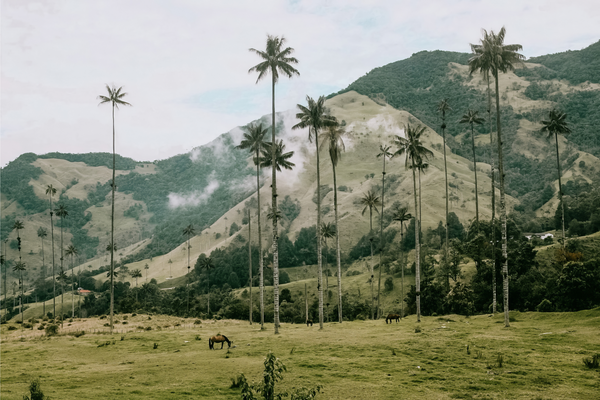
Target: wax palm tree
(494, 56)
(51, 191)
(334, 138)
(328, 231)
(115, 98)
(3, 263)
(443, 107)
(42, 233)
(384, 153)
(72, 251)
(146, 267)
(188, 231)
(480, 62)
(20, 267)
(170, 268)
(206, 264)
(276, 60)
(371, 201)
(402, 215)
(314, 117)
(556, 125)
(254, 141)
(416, 152)
(471, 117)
(136, 273)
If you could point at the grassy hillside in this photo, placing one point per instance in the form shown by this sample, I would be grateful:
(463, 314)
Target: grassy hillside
(451, 357)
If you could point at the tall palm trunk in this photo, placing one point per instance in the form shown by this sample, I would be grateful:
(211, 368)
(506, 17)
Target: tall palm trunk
(502, 207)
(260, 255)
(417, 245)
(250, 263)
(112, 229)
(402, 265)
(493, 221)
(380, 239)
(62, 294)
(372, 265)
(447, 209)
(73, 291)
(562, 204)
(53, 262)
(337, 244)
(275, 222)
(319, 245)
(475, 170)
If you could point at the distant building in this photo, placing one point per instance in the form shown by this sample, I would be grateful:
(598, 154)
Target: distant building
(84, 292)
(539, 235)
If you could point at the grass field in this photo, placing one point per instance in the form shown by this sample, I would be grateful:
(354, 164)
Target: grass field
(542, 358)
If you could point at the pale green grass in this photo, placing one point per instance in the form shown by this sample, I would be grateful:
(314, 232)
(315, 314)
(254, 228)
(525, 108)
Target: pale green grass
(364, 359)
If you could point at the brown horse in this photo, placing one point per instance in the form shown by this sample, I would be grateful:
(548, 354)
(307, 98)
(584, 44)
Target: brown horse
(218, 339)
(391, 317)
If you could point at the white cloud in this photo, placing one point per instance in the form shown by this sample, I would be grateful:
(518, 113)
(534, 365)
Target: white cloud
(185, 63)
(193, 199)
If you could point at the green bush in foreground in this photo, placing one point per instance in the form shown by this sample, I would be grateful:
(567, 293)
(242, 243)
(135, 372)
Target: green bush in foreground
(35, 391)
(273, 373)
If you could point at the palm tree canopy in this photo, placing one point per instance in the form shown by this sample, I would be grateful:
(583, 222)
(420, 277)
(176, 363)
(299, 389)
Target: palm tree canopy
(115, 96)
(334, 137)
(51, 190)
(207, 264)
(189, 230)
(471, 117)
(146, 266)
(370, 201)
(136, 273)
(281, 158)
(384, 151)
(444, 106)
(108, 247)
(314, 117)
(71, 251)
(42, 232)
(401, 214)
(19, 266)
(18, 225)
(492, 55)
(328, 230)
(61, 211)
(276, 59)
(253, 139)
(412, 146)
(556, 123)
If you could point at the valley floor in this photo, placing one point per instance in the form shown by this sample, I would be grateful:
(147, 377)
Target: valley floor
(451, 357)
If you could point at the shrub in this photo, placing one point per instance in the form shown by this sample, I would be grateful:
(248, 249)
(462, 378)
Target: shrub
(545, 306)
(148, 328)
(197, 322)
(593, 362)
(35, 391)
(79, 333)
(12, 328)
(51, 330)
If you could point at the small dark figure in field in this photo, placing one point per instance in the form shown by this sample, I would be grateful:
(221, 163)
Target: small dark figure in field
(218, 339)
(391, 317)
(309, 322)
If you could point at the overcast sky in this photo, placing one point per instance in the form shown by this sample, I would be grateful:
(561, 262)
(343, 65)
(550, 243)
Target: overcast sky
(184, 63)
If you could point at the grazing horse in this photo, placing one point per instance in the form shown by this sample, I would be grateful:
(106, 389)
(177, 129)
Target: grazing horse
(309, 322)
(218, 339)
(391, 317)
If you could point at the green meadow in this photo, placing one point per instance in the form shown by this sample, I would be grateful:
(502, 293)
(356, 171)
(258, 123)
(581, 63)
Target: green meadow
(449, 357)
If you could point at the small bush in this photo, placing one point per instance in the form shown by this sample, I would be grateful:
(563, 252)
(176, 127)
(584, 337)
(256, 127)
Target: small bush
(479, 354)
(418, 329)
(197, 322)
(79, 333)
(12, 328)
(592, 363)
(133, 315)
(51, 330)
(148, 328)
(499, 360)
(35, 391)
(124, 322)
(237, 382)
(107, 324)
(545, 306)
(125, 317)
(155, 346)
(103, 317)
(41, 327)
